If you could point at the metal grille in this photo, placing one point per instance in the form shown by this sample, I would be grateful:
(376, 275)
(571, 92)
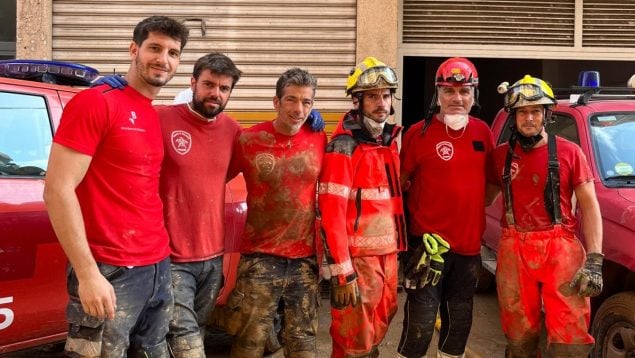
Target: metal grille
(264, 38)
(491, 22)
(608, 23)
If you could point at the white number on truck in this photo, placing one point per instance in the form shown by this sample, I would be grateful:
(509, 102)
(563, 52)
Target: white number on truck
(7, 313)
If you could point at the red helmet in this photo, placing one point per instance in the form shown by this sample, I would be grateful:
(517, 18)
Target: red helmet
(456, 71)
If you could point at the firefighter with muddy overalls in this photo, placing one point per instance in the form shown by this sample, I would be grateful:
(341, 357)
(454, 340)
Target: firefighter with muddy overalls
(362, 216)
(541, 263)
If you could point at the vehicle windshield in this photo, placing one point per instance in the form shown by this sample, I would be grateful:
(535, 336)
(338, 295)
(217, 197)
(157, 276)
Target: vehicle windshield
(613, 136)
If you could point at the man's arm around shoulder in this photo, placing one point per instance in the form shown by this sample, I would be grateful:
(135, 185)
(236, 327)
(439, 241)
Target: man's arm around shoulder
(66, 170)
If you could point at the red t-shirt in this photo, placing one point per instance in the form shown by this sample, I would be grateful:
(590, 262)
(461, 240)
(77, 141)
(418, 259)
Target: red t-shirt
(193, 175)
(281, 173)
(447, 170)
(119, 196)
(529, 173)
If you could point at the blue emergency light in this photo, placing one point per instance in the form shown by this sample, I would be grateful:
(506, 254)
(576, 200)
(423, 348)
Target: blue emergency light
(58, 72)
(589, 79)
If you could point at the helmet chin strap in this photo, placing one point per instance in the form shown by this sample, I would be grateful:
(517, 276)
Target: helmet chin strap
(526, 143)
(529, 142)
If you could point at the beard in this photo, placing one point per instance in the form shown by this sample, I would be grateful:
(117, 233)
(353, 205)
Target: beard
(199, 106)
(143, 71)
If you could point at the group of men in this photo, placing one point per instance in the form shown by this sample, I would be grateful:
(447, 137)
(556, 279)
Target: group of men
(145, 249)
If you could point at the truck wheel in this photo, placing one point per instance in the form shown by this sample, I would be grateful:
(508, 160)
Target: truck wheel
(614, 327)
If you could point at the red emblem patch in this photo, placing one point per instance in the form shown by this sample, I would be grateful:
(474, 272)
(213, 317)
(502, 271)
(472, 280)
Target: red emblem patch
(181, 142)
(445, 150)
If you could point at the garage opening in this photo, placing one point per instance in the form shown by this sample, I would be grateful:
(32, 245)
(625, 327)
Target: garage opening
(418, 79)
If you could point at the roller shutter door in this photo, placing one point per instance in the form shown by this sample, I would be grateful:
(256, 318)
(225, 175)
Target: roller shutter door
(509, 22)
(264, 38)
(541, 29)
(609, 23)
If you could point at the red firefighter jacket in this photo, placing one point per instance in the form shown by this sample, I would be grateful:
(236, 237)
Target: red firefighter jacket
(360, 198)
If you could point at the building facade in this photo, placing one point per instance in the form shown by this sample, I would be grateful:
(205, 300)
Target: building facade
(553, 39)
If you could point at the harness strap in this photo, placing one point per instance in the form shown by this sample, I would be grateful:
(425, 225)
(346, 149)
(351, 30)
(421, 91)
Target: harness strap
(507, 181)
(552, 188)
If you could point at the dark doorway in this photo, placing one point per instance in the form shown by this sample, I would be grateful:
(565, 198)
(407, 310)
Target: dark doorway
(418, 79)
(7, 29)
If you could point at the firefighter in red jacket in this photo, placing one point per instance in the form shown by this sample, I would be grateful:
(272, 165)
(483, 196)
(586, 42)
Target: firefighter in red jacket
(362, 216)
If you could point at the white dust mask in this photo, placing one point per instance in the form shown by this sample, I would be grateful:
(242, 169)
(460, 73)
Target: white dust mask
(455, 121)
(375, 128)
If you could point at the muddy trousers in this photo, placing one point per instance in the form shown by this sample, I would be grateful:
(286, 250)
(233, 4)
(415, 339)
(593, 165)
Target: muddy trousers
(195, 286)
(453, 298)
(358, 331)
(144, 307)
(265, 283)
(533, 272)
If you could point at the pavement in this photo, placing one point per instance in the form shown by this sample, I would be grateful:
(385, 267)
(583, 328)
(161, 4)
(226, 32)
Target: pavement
(486, 338)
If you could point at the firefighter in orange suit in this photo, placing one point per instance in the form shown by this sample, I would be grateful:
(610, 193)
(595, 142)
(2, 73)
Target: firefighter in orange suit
(362, 217)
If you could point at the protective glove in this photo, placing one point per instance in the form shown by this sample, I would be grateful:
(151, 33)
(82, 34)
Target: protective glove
(344, 295)
(414, 267)
(426, 264)
(436, 260)
(315, 120)
(588, 280)
(114, 81)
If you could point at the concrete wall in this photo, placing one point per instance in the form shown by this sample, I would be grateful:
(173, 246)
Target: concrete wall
(34, 27)
(377, 30)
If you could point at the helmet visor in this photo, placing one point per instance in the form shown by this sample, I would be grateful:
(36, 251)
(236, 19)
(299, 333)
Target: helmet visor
(372, 77)
(456, 79)
(527, 91)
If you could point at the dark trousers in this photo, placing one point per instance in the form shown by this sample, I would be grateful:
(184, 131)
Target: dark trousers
(453, 297)
(195, 286)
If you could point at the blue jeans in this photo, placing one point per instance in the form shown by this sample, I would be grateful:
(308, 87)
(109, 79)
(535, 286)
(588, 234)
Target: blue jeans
(195, 286)
(265, 283)
(144, 307)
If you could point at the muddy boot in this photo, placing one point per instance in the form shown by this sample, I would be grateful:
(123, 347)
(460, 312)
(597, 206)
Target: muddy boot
(527, 348)
(374, 353)
(559, 350)
(187, 347)
(446, 355)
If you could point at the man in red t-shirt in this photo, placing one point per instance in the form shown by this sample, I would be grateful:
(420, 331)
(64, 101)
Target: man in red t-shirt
(198, 141)
(444, 159)
(541, 263)
(280, 161)
(102, 194)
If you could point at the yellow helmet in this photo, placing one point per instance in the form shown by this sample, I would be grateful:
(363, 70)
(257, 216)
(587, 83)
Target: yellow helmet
(529, 91)
(371, 74)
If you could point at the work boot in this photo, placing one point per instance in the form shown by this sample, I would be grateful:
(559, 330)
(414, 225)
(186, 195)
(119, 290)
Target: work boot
(527, 348)
(560, 350)
(445, 355)
(187, 347)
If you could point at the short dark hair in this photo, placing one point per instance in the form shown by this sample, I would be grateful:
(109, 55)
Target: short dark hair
(219, 64)
(163, 25)
(295, 77)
